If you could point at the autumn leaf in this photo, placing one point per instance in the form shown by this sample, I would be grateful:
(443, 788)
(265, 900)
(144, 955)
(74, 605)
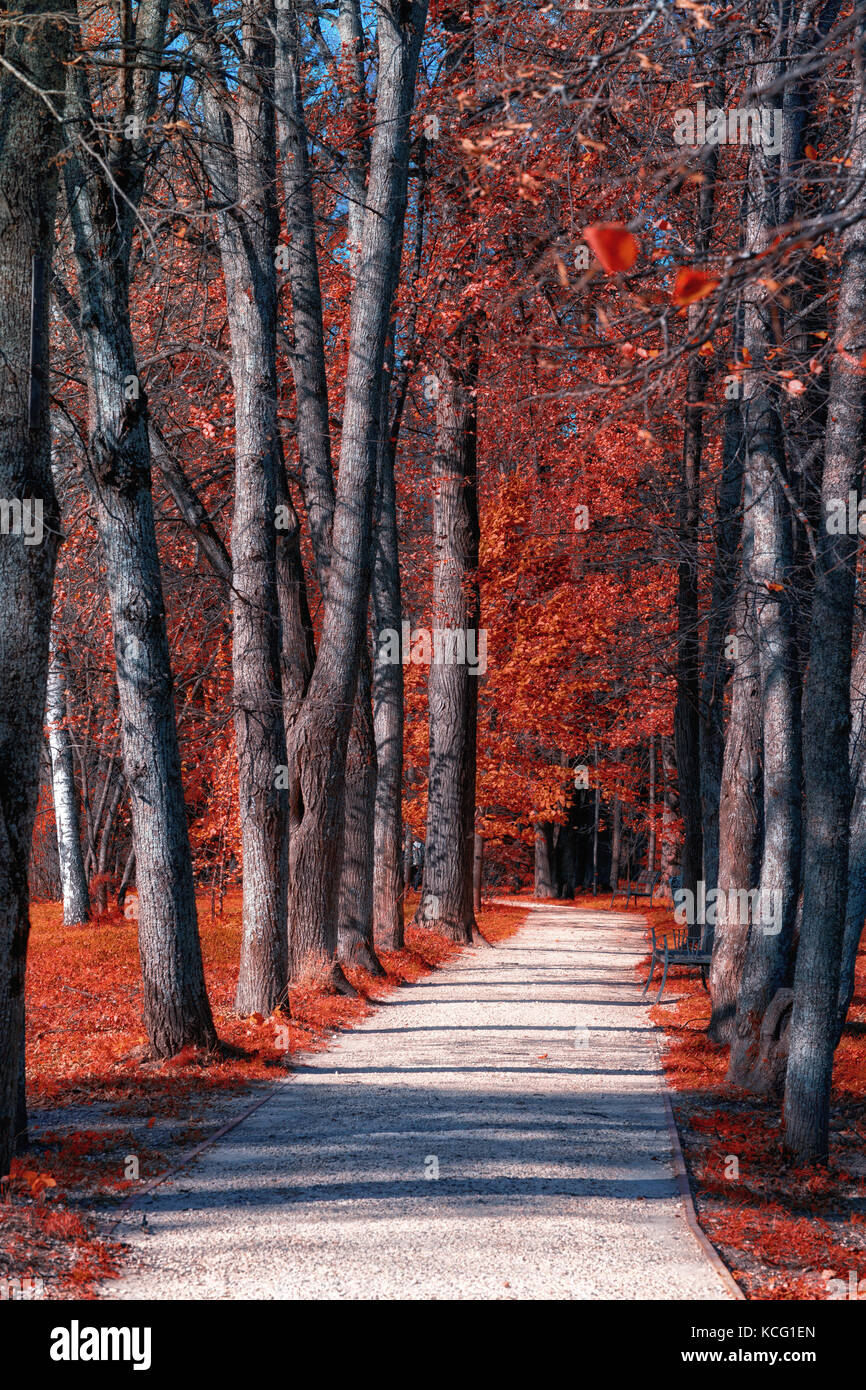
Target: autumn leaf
(613, 245)
(692, 285)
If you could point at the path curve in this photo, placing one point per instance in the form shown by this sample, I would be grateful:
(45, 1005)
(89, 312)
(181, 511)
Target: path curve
(527, 1076)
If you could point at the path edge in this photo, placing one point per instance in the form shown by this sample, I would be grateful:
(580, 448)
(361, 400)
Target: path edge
(682, 1176)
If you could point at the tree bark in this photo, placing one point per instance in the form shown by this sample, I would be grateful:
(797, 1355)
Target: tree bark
(543, 861)
(768, 951)
(477, 872)
(740, 814)
(855, 909)
(596, 814)
(651, 838)
(715, 669)
(355, 909)
(827, 704)
(687, 711)
(240, 157)
(452, 691)
(615, 836)
(118, 474)
(355, 928)
(321, 732)
(106, 832)
(670, 809)
(29, 138)
(76, 899)
(388, 877)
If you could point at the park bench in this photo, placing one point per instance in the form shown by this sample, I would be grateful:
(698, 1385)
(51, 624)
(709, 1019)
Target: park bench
(641, 887)
(678, 948)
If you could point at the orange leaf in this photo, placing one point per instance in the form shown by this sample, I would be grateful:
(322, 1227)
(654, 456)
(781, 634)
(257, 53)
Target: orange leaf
(615, 247)
(692, 285)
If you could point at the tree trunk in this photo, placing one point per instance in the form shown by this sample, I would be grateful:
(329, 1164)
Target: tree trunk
(651, 838)
(543, 860)
(105, 839)
(477, 872)
(355, 927)
(388, 714)
(29, 138)
(827, 705)
(740, 816)
(407, 858)
(596, 815)
(117, 471)
(715, 671)
(453, 686)
(768, 950)
(355, 910)
(687, 711)
(615, 837)
(76, 899)
(670, 810)
(241, 162)
(321, 732)
(855, 910)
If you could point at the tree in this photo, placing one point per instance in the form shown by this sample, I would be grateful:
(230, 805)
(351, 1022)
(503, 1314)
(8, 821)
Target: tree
(76, 899)
(827, 703)
(35, 43)
(320, 736)
(104, 177)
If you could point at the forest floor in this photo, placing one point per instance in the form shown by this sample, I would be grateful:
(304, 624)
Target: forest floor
(785, 1232)
(528, 1073)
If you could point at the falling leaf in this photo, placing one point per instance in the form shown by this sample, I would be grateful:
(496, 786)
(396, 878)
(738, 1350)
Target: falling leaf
(614, 246)
(692, 285)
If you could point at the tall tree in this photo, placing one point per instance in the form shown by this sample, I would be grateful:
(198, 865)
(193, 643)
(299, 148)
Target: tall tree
(240, 158)
(35, 41)
(769, 943)
(452, 691)
(827, 701)
(320, 736)
(104, 173)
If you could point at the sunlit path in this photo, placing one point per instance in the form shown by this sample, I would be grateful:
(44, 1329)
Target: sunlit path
(495, 1131)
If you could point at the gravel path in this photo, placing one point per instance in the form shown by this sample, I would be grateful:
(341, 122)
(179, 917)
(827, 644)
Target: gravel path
(527, 1076)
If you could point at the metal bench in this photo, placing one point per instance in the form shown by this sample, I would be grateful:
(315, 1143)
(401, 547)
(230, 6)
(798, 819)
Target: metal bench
(641, 887)
(677, 948)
